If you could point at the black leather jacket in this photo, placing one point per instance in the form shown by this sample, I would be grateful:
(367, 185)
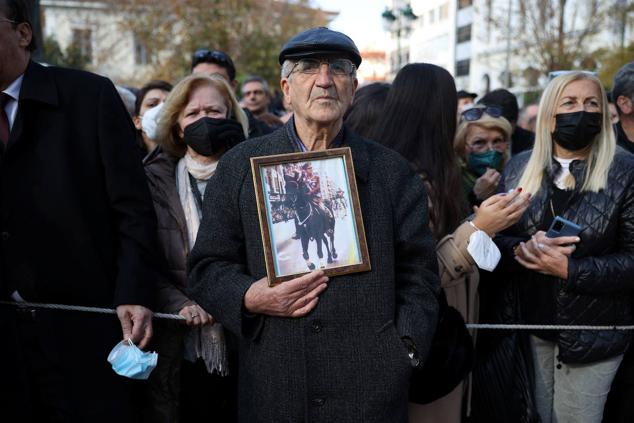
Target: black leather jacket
(600, 271)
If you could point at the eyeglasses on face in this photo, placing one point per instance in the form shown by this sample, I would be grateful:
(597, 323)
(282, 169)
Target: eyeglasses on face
(312, 66)
(480, 145)
(476, 113)
(11, 21)
(254, 92)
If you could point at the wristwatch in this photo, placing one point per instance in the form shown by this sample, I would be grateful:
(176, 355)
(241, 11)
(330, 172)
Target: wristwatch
(412, 352)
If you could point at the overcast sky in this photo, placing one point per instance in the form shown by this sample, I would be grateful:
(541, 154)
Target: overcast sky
(359, 19)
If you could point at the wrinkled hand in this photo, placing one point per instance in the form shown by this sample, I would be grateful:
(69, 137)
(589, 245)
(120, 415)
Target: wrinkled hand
(500, 211)
(486, 184)
(136, 323)
(195, 315)
(294, 298)
(547, 255)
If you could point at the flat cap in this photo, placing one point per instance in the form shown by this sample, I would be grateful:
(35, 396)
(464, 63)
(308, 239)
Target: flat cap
(318, 42)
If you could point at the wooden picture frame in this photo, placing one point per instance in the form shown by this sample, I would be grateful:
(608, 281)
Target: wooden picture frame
(300, 196)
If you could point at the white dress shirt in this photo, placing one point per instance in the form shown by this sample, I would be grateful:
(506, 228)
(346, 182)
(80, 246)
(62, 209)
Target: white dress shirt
(13, 91)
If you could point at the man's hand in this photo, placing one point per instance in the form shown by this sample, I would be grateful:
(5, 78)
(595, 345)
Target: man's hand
(294, 298)
(136, 323)
(486, 184)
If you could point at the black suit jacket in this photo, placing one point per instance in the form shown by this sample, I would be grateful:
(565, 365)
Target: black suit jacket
(76, 219)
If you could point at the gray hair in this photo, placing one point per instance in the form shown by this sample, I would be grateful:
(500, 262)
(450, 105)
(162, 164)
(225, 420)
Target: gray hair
(624, 83)
(288, 64)
(287, 67)
(257, 78)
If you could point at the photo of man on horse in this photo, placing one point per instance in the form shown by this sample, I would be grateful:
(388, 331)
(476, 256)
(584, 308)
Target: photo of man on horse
(313, 220)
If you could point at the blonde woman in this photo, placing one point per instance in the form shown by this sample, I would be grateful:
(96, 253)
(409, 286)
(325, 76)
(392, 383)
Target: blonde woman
(200, 121)
(574, 171)
(482, 145)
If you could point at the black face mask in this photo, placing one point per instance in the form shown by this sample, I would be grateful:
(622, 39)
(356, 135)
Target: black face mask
(208, 136)
(575, 131)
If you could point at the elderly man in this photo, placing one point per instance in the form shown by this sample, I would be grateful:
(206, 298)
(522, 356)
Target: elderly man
(313, 348)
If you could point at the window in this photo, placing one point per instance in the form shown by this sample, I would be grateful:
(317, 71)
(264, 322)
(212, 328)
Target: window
(82, 41)
(141, 52)
(463, 34)
(462, 67)
(443, 12)
(464, 3)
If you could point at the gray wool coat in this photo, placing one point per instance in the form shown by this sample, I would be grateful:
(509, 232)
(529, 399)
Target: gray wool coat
(345, 361)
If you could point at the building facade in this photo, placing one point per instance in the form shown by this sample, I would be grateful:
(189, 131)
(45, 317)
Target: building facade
(480, 41)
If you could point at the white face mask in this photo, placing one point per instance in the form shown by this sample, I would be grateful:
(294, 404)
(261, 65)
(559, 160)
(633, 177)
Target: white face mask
(129, 361)
(150, 119)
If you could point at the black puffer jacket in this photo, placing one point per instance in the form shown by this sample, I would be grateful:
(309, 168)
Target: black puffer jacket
(600, 271)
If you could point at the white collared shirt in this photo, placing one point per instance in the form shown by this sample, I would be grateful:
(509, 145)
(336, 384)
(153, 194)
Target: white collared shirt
(13, 91)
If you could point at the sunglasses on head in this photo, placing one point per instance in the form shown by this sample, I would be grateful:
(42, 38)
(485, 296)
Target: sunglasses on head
(475, 113)
(204, 54)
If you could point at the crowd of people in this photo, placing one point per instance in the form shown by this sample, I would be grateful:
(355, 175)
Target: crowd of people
(146, 203)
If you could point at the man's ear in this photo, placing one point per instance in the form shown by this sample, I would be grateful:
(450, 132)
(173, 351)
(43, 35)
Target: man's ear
(624, 105)
(286, 89)
(355, 84)
(26, 34)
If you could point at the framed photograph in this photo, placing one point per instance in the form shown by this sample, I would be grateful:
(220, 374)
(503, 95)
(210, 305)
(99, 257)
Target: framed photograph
(309, 213)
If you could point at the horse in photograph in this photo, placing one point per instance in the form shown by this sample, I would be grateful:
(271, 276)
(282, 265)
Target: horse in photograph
(313, 223)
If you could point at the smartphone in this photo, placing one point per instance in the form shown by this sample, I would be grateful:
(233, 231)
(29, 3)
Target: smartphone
(563, 227)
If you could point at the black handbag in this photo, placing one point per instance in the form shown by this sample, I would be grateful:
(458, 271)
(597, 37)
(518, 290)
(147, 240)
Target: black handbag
(449, 361)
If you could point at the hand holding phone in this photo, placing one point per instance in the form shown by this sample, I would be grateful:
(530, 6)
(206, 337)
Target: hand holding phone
(563, 227)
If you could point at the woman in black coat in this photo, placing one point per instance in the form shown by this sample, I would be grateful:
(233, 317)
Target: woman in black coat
(574, 171)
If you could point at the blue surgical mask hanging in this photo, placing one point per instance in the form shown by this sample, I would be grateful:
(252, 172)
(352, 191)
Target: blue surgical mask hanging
(129, 361)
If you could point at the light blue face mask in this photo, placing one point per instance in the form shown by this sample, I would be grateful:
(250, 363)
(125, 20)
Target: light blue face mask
(129, 361)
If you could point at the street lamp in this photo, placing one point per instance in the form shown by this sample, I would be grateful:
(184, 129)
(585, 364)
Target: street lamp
(399, 22)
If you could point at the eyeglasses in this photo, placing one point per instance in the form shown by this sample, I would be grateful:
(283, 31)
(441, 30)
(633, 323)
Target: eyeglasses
(11, 21)
(254, 92)
(481, 145)
(312, 66)
(476, 113)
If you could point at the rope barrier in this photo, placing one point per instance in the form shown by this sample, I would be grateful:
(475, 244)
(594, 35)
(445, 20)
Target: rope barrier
(545, 327)
(179, 317)
(83, 308)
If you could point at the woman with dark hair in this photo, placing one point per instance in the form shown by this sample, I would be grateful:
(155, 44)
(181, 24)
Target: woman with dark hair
(149, 96)
(419, 121)
(367, 108)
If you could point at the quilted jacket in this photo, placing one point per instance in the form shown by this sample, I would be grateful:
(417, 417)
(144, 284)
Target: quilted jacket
(600, 271)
